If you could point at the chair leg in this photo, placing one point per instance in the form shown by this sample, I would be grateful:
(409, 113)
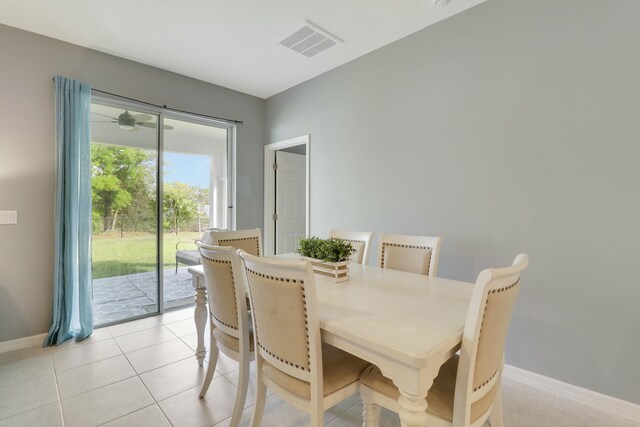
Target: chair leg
(317, 418)
(370, 411)
(213, 361)
(241, 394)
(316, 410)
(495, 418)
(261, 395)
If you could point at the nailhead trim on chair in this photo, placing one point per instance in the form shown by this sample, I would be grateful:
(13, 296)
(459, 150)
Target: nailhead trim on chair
(494, 291)
(220, 242)
(349, 240)
(306, 322)
(506, 288)
(397, 245)
(487, 381)
(235, 300)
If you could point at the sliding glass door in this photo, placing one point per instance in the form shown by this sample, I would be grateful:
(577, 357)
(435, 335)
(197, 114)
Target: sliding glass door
(195, 197)
(159, 180)
(124, 159)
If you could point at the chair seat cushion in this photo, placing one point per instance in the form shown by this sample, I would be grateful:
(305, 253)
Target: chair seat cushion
(339, 369)
(188, 257)
(232, 342)
(441, 395)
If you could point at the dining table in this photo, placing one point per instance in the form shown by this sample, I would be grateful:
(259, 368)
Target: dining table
(405, 323)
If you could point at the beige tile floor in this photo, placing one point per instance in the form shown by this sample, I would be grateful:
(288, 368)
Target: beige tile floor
(143, 373)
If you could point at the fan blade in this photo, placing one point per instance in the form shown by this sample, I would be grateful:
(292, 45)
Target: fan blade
(104, 115)
(152, 125)
(142, 117)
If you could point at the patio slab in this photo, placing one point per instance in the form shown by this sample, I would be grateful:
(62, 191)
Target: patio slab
(122, 297)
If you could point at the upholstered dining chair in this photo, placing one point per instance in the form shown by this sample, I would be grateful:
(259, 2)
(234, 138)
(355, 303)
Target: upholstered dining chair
(290, 358)
(466, 391)
(248, 240)
(414, 254)
(360, 241)
(230, 329)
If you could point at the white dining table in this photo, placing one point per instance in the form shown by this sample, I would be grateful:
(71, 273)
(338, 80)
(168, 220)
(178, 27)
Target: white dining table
(406, 324)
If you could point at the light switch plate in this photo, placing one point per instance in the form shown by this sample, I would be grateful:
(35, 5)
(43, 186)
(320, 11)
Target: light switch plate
(8, 217)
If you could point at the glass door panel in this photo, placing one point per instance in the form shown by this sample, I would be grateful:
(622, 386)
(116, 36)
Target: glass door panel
(195, 198)
(124, 159)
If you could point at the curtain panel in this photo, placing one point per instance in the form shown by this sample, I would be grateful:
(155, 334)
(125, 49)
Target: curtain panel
(72, 313)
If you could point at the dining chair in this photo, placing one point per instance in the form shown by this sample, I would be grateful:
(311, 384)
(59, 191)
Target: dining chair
(290, 358)
(248, 240)
(360, 241)
(466, 391)
(230, 328)
(414, 254)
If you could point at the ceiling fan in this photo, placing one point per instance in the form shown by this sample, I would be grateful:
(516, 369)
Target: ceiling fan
(128, 121)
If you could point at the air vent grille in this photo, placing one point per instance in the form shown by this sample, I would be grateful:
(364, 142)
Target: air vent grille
(310, 40)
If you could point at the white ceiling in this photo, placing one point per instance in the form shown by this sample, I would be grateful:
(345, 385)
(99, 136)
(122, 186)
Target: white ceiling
(231, 43)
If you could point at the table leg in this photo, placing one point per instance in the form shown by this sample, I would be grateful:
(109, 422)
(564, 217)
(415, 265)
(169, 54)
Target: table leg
(412, 399)
(413, 410)
(200, 317)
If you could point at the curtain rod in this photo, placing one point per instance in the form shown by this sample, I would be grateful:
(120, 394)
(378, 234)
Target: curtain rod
(237, 122)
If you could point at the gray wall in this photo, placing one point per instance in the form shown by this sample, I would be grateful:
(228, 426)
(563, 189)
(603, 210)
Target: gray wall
(510, 127)
(27, 148)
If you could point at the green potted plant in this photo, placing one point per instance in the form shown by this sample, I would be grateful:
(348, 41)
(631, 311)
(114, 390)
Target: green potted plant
(329, 257)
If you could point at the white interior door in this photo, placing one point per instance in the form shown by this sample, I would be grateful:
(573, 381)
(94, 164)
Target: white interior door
(290, 212)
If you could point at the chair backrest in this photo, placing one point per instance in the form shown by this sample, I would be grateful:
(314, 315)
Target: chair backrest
(360, 241)
(415, 254)
(249, 241)
(224, 280)
(485, 332)
(285, 319)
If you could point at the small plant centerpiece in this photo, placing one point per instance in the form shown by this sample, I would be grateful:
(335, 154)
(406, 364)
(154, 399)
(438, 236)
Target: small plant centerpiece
(329, 257)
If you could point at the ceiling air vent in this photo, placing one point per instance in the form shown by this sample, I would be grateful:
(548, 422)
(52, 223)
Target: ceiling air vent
(310, 40)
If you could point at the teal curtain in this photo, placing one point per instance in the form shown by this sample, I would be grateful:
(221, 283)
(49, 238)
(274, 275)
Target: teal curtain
(72, 314)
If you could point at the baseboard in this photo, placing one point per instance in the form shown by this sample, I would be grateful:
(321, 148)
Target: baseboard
(17, 344)
(578, 394)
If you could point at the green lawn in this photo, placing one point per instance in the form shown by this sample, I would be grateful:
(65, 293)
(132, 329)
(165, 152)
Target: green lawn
(135, 253)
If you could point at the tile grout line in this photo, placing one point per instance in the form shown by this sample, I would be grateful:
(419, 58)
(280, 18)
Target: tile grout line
(345, 411)
(58, 401)
(553, 405)
(157, 367)
(133, 332)
(55, 379)
(122, 416)
(84, 364)
(150, 345)
(155, 402)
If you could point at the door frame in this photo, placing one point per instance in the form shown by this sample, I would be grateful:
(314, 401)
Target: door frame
(270, 187)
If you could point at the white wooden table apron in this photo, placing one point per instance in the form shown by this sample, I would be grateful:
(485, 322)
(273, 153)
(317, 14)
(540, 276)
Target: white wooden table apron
(406, 324)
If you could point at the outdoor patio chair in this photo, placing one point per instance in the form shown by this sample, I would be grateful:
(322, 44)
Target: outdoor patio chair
(192, 256)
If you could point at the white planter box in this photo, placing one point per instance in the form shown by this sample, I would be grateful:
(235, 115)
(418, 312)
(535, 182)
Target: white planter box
(336, 271)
